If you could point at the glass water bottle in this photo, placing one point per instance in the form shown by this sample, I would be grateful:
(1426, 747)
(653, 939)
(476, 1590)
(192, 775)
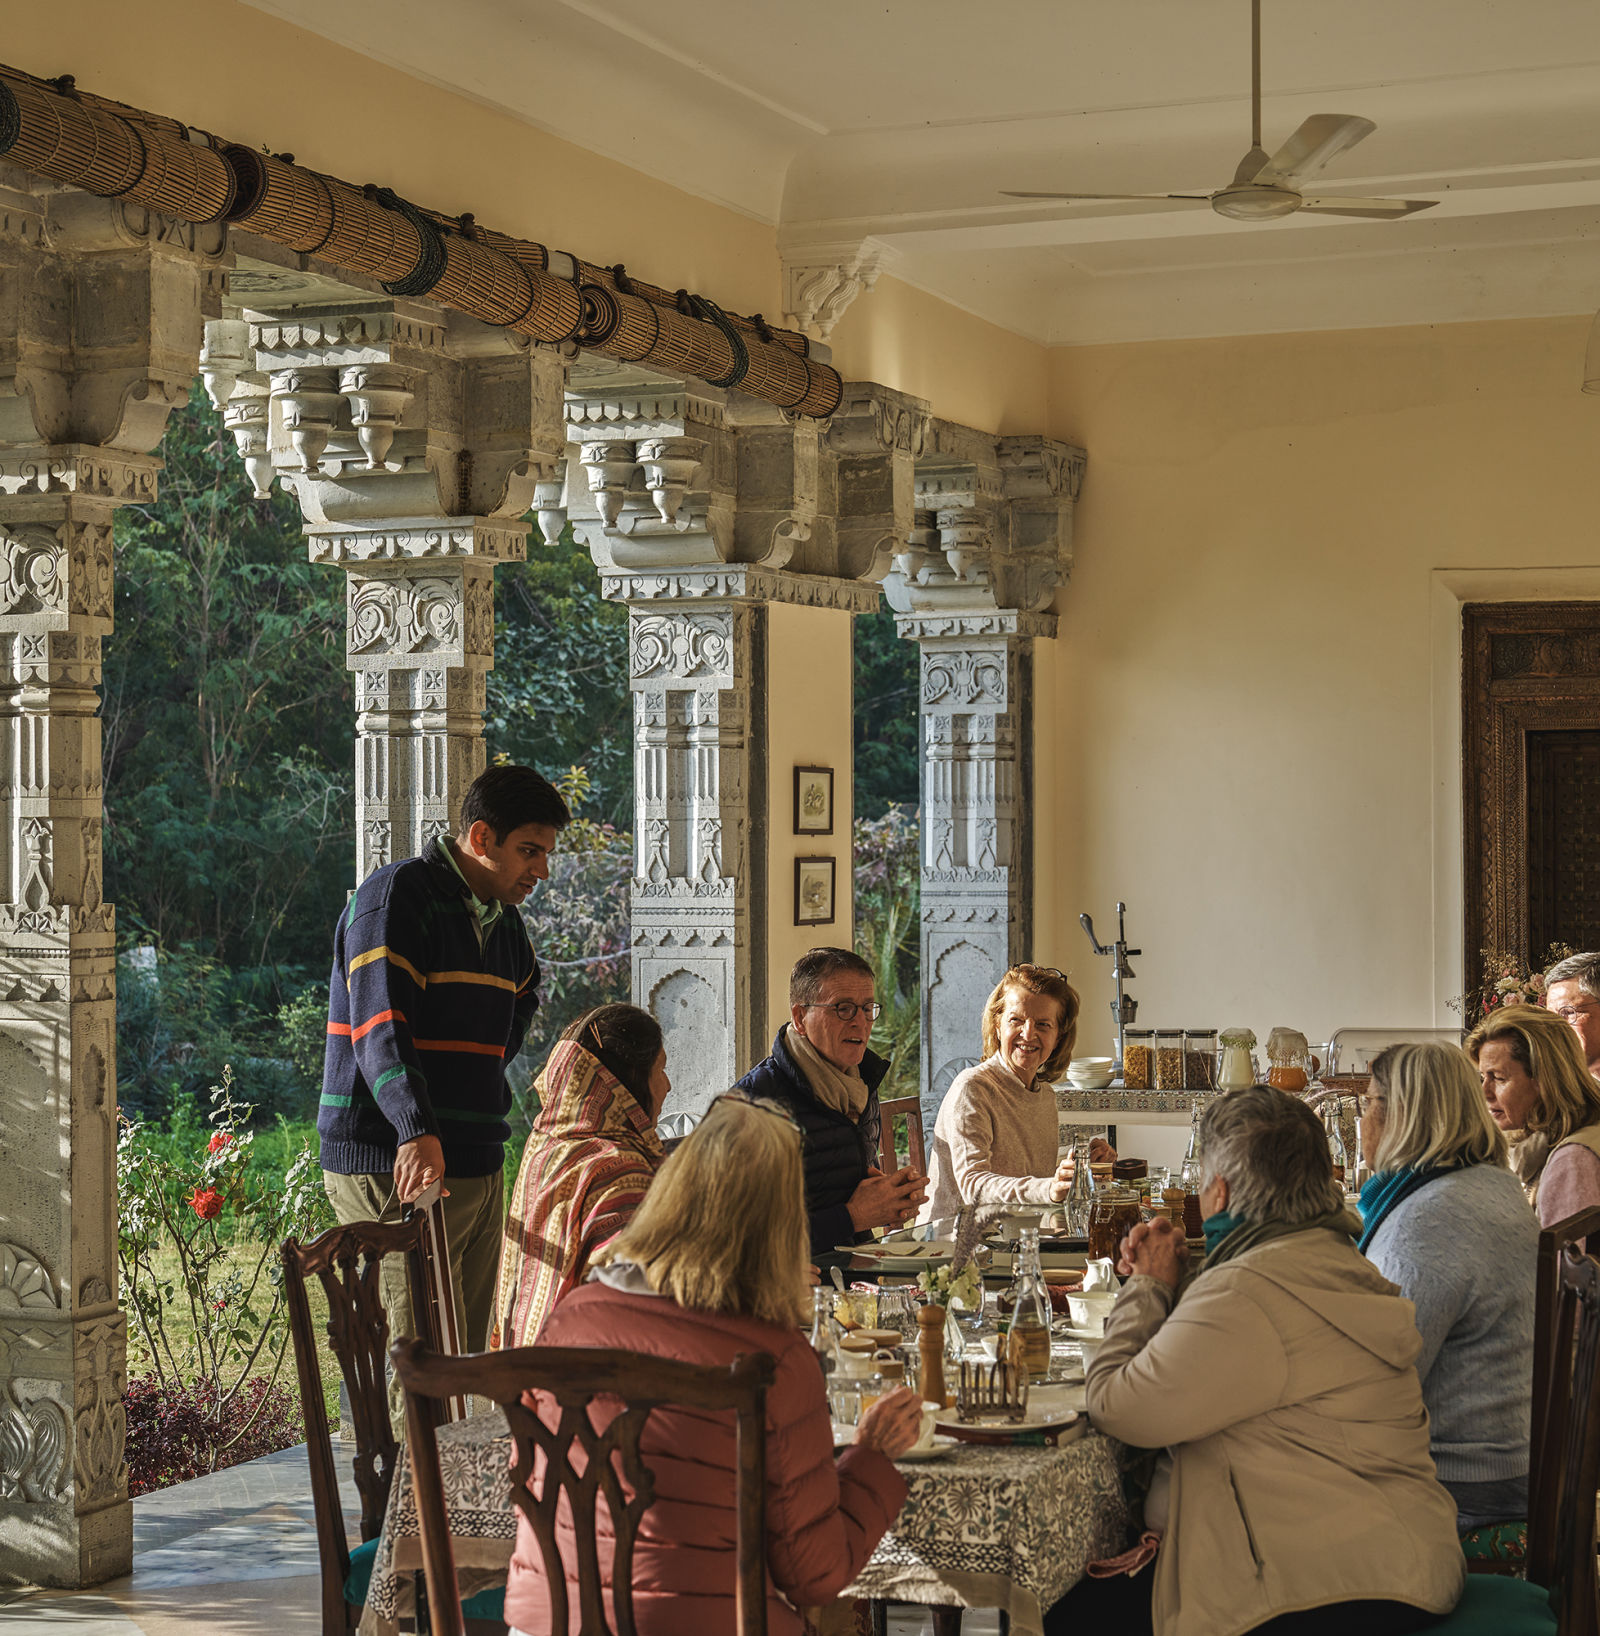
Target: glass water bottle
(1081, 1195)
(822, 1328)
(1028, 1337)
(1189, 1175)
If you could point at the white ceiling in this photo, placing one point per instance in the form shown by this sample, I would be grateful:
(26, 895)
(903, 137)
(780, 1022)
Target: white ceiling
(901, 120)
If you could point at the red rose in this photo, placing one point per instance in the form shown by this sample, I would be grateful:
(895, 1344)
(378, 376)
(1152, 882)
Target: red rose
(206, 1203)
(220, 1140)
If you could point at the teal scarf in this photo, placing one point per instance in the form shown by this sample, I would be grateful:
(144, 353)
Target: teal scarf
(1216, 1228)
(1227, 1236)
(1384, 1191)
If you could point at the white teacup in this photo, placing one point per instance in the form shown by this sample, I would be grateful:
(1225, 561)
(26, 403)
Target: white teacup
(1089, 1310)
(925, 1434)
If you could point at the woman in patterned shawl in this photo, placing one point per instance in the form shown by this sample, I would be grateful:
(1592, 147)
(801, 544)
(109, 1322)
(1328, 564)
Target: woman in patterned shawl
(592, 1153)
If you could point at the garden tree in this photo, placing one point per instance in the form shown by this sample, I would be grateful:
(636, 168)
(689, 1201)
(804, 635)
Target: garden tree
(229, 729)
(887, 724)
(228, 722)
(558, 693)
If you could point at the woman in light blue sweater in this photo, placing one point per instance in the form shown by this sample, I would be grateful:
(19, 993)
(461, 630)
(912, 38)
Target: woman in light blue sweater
(1448, 1222)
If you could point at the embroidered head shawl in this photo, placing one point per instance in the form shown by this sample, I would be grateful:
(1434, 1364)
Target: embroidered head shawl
(591, 1155)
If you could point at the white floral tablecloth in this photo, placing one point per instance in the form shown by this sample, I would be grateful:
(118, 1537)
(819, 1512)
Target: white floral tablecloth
(1008, 1528)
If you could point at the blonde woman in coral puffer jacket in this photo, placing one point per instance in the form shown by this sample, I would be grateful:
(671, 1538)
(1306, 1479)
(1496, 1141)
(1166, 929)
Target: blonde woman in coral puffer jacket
(712, 1265)
(1296, 1493)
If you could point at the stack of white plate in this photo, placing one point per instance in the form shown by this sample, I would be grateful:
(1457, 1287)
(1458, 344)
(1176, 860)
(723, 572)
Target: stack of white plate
(1090, 1073)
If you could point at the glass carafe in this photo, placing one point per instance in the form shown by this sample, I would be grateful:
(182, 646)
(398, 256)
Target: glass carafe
(1028, 1334)
(1189, 1175)
(1081, 1195)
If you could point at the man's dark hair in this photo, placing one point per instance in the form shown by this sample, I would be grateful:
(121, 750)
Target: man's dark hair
(506, 798)
(625, 1040)
(816, 966)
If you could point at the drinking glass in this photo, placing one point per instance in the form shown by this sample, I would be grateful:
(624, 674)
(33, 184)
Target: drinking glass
(897, 1310)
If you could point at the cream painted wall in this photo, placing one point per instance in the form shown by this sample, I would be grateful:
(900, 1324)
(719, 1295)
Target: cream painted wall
(238, 72)
(809, 658)
(1236, 728)
(973, 372)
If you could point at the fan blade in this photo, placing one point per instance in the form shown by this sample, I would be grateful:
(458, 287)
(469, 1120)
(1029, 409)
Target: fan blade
(1319, 139)
(1010, 193)
(1376, 209)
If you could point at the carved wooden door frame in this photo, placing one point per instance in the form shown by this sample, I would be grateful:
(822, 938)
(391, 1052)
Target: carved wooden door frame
(1525, 667)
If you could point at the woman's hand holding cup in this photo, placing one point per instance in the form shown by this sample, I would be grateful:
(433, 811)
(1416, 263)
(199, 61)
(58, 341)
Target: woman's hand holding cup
(893, 1424)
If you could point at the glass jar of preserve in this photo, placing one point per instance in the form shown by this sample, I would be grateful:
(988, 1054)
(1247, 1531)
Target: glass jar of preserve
(1169, 1059)
(1199, 1059)
(1288, 1060)
(1138, 1059)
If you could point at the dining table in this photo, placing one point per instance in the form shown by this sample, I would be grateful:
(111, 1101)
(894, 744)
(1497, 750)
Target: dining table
(1008, 1527)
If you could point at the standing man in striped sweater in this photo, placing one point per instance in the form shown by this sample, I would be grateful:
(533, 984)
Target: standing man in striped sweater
(434, 984)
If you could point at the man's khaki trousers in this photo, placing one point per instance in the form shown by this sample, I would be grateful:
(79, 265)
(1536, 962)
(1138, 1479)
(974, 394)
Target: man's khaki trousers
(473, 1214)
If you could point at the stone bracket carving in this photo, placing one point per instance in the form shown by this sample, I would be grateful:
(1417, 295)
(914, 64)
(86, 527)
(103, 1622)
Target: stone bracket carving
(993, 524)
(822, 281)
(662, 479)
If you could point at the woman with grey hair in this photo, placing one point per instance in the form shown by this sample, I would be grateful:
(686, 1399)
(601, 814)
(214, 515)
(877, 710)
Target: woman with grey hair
(1296, 1492)
(1447, 1222)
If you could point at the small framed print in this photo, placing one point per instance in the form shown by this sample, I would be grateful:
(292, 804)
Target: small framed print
(813, 801)
(813, 891)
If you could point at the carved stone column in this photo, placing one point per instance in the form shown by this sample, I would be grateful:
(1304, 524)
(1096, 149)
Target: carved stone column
(701, 508)
(100, 313)
(414, 441)
(991, 545)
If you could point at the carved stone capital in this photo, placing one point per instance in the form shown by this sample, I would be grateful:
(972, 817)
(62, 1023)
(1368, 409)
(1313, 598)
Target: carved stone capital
(738, 583)
(421, 537)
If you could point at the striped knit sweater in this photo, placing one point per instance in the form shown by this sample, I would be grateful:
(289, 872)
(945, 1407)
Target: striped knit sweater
(422, 1021)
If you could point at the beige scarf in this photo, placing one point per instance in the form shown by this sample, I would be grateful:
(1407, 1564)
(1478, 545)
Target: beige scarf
(842, 1089)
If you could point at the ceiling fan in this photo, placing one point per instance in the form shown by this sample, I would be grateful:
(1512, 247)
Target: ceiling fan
(1265, 188)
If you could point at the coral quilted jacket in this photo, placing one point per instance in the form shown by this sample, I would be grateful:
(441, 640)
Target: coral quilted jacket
(824, 1517)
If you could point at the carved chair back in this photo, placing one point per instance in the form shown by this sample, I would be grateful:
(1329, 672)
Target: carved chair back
(1550, 1386)
(347, 1262)
(1570, 1469)
(609, 1465)
(910, 1109)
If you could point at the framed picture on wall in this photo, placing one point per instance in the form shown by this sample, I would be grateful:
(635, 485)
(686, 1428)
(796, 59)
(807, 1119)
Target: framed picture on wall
(813, 801)
(813, 891)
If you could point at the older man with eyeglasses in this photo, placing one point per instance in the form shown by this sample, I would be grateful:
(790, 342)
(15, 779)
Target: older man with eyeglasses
(1572, 991)
(823, 1073)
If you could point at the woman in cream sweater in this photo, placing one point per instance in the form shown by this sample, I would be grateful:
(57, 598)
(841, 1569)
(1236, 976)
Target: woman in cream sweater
(996, 1137)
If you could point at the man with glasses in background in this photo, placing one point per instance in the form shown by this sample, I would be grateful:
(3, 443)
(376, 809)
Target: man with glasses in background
(823, 1074)
(1572, 991)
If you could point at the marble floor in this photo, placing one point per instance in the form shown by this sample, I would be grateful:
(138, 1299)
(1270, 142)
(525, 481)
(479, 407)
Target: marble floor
(235, 1554)
(204, 1553)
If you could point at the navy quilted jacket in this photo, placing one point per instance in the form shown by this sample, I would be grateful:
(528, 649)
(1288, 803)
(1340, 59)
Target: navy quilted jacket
(837, 1152)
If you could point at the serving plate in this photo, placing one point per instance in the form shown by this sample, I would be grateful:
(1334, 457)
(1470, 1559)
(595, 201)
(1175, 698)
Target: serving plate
(1048, 1428)
(936, 1450)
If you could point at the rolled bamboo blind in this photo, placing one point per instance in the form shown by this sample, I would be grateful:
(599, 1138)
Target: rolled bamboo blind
(51, 128)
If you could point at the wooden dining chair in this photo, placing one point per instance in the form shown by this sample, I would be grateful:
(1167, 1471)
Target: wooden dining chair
(347, 1261)
(1567, 1601)
(575, 1377)
(908, 1108)
(1549, 1385)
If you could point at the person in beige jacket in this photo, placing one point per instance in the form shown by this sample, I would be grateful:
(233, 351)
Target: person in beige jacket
(1296, 1493)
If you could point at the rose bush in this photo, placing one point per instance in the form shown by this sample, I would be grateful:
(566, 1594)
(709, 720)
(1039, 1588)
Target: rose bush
(198, 1234)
